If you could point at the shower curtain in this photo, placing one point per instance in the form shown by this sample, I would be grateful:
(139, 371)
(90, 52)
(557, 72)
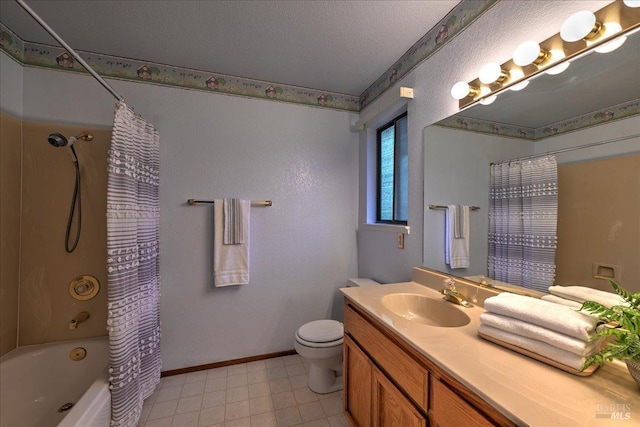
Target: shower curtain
(133, 265)
(522, 222)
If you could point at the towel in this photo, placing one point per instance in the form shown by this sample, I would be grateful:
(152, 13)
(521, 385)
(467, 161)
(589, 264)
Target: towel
(556, 317)
(550, 352)
(457, 249)
(230, 262)
(560, 300)
(529, 330)
(233, 230)
(581, 294)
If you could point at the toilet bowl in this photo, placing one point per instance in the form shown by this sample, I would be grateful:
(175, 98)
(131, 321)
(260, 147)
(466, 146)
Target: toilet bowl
(320, 343)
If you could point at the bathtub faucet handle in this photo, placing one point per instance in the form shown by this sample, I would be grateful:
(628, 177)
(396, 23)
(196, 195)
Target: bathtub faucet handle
(81, 317)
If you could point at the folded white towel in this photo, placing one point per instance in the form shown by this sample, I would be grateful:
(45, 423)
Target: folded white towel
(581, 294)
(556, 317)
(560, 300)
(457, 249)
(529, 330)
(550, 352)
(230, 262)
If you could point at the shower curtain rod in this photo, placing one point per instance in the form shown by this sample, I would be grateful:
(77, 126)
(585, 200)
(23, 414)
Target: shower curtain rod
(72, 52)
(579, 147)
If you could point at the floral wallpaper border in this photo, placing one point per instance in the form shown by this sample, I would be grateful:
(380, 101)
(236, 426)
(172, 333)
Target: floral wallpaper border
(594, 118)
(465, 13)
(54, 57)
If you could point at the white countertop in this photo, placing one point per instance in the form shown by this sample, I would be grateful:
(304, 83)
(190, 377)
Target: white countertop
(526, 391)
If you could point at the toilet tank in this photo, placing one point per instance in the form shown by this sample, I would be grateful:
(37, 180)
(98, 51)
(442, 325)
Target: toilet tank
(337, 309)
(360, 281)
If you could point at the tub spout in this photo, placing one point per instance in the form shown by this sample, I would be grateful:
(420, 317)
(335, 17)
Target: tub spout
(81, 317)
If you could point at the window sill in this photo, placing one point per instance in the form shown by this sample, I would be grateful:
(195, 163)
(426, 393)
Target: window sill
(386, 227)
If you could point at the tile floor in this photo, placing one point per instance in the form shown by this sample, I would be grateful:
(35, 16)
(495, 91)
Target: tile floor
(265, 393)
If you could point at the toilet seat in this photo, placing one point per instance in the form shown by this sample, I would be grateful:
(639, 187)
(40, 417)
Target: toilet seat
(321, 334)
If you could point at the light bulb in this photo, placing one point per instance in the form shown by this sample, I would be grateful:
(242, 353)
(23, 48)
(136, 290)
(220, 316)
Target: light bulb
(461, 90)
(489, 100)
(491, 72)
(580, 25)
(611, 29)
(612, 45)
(484, 91)
(632, 3)
(516, 74)
(528, 53)
(557, 55)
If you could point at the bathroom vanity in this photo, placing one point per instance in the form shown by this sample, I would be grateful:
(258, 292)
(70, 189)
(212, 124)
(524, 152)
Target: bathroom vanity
(402, 368)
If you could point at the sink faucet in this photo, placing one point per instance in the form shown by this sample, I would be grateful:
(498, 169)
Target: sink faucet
(451, 293)
(81, 317)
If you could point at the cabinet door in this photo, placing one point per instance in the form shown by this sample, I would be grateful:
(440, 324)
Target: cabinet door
(357, 377)
(450, 410)
(390, 407)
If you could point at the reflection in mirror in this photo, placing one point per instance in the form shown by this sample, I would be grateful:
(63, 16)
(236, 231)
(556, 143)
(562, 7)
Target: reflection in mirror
(589, 115)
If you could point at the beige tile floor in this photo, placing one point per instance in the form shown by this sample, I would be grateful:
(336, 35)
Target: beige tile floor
(265, 393)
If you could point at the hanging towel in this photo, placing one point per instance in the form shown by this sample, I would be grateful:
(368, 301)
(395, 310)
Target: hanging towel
(233, 229)
(550, 352)
(457, 249)
(230, 262)
(529, 330)
(581, 294)
(556, 317)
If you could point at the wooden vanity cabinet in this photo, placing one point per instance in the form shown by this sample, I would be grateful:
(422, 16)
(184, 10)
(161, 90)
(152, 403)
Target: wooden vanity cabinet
(387, 383)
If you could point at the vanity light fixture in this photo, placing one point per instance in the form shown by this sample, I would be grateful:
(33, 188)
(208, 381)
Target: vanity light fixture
(581, 25)
(529, 53)
(492, 72)
(582, 33)
(462, 89)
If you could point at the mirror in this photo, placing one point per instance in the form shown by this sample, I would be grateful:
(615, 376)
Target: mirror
(596, 101)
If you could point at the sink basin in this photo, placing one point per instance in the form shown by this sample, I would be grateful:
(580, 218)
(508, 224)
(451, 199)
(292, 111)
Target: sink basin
(425, 310)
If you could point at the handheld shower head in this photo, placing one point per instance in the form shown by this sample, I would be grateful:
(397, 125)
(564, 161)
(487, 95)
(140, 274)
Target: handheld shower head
(57, 140)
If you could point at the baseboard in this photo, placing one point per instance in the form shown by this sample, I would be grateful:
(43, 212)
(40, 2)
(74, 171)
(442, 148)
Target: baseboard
(226, 363)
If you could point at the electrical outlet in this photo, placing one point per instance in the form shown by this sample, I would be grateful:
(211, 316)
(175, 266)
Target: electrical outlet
(400, 240)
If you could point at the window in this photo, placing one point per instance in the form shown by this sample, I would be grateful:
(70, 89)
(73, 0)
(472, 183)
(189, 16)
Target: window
(392, 172)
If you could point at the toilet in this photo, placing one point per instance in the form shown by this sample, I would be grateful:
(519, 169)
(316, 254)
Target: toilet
(320, 343)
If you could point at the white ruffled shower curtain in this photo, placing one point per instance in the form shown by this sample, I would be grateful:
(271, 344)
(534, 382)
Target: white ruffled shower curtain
(133, 265)
(523, 218)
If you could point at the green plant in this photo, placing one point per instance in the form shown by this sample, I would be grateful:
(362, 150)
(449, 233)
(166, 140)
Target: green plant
(622, 326)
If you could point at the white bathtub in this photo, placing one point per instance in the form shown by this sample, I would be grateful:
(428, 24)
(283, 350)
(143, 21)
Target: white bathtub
(37, 380)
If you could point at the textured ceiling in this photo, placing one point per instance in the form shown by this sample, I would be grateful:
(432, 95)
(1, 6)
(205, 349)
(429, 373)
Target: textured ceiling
(337, 46)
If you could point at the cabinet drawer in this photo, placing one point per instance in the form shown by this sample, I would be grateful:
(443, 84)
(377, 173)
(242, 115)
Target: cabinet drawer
(405, 371)
(450, 410)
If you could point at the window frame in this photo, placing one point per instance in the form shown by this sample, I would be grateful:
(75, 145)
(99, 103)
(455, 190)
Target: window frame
(379, 132)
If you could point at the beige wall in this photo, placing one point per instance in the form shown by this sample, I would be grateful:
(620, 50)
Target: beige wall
(45, 268)
(10, 138)
(599, 221)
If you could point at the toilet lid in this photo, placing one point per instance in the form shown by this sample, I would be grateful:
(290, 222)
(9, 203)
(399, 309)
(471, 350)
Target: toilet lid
(321, 331)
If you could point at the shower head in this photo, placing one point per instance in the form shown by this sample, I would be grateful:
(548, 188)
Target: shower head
(59, 140)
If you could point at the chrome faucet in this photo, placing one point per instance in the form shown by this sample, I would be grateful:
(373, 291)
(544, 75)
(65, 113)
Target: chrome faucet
(81, 317)
(451, 293)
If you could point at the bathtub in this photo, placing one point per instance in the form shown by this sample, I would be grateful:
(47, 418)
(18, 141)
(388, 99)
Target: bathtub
(37, 380)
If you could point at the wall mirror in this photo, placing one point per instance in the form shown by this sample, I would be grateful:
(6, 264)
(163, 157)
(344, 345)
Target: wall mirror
(594, 102)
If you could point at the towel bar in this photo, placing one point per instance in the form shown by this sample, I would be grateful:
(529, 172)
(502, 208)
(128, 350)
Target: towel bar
(265, 203)
(471, 208)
